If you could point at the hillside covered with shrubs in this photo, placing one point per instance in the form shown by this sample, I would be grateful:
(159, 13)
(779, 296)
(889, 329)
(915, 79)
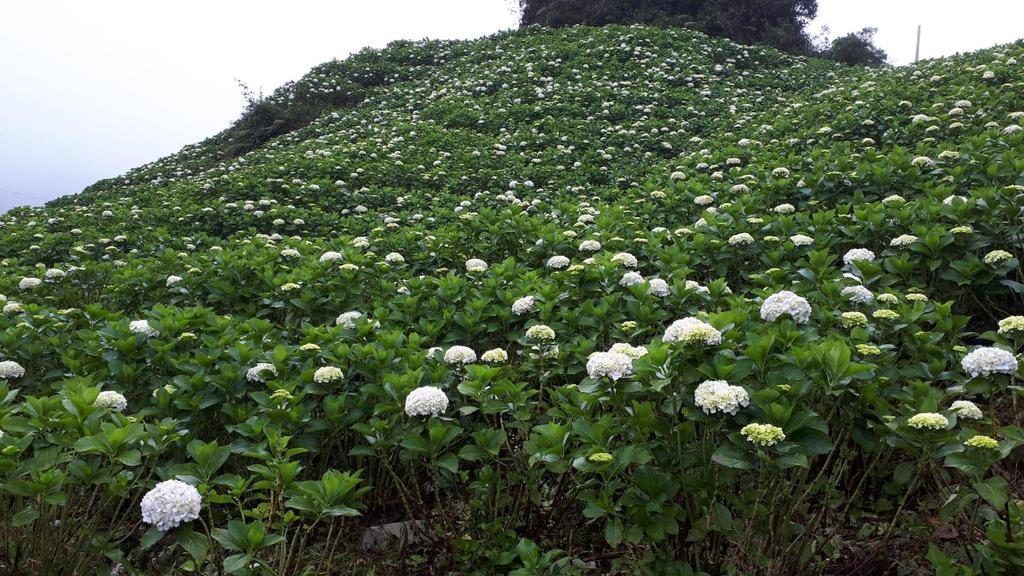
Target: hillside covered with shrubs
(616, 300)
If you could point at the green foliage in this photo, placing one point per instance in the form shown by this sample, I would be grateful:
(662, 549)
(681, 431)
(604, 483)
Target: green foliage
(706, 178)
(857, 49)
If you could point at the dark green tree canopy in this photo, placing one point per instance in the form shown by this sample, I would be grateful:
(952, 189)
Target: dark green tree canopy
(779, 23)
(857, 48)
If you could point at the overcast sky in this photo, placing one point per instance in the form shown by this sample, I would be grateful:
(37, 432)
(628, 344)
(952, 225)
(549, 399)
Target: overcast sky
(90, 89)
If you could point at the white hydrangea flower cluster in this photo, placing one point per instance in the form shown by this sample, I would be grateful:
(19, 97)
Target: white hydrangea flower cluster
(692, 331)
(928, 421)
(172, 280)
(476, 265)
(741, 239)
(258, 372)
(331, 256)
(857, 255)
(966, 409)
(394, 258)
(612, 365)
(658, 287)
(111, 400)
(522, 305)
(987, 360)
(327, 374)
(495, 355)
(426, 401)
(589, 246)
(54, 275)
(626, 259)
(631, 279)
(801, 240)
(143, 327)
(9, 369)
(786, 302)
(459, 355)
(858, 294)
(557, 262)
(714, 396)
(633, 352)
(348, 319)
(170, 503)
(540, 332)
(29, 283)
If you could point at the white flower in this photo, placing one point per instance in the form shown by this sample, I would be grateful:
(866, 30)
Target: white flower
(29, 283)
(741, 239)
(857, 254)
(692, 331)
(631, 279)
(143, 327)
(658, 287)
(633, 352)
(475, 265)
(966, 409)
(348, 319)
(703, 200)
(614, 365)
(626, 259)
(170, 503)
(290, 253)
(9, 369)
(54, 274)
(696, 287)
(801, 240)
(719, 396)
(327, 374)
(784, 209)
(12, 308)
(589, 246)
(172, 280)
(557, 262)
(522, 305)
(987, 360)
(858, 294)
(394, 258)
(111, 400)
(459, 355)
(540, 332)
(928, 420)
(786, 302)
(331, 257)
(903, 240)
(426, 401)
(494, 355)
(257, 372)
(360, 242)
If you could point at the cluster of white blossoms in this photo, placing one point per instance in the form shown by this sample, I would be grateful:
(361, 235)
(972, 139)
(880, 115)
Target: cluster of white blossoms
(719, 396)
(540, 332)
(987, 360)
(696, 287)
(858, 294)
(626, 259)
(54, 275)
(858, 254)
(784, 209)
(476, 265)
(172, 280)
(631, 279)
(633, 352)
(348, 319)
(459, 355)
(170, 503)
(657, 287)
(801, 240)
(394, 258)
(29, 283)
(557, 262)
(588, 246)
(613, 365)
(291, 253)
(1011, 324)
(143, 327)
(763, 434)
(903, 240)
(741, 239)
(327, 374)
(330, 256)
(10, 369)
(703, 200)
(495, 355)
(928, 421)
(522, 305)
(786, 302)
(111, 400)
(426, 401)
(259, 372)
(966, 409)
(692, 331)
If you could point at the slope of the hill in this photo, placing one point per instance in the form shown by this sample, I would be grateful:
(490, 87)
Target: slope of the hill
(590, 301)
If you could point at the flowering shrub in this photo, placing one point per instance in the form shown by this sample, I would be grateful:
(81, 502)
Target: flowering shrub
(737, 312)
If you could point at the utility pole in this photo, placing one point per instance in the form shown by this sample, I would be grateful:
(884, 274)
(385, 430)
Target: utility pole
(917, 50)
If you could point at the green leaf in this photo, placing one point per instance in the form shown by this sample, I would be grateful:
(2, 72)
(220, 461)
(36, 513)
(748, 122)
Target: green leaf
(732, 456)
(993, 491)
(26, 516)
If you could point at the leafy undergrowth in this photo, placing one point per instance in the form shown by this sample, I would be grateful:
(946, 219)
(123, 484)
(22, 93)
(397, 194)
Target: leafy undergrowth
(588, 301)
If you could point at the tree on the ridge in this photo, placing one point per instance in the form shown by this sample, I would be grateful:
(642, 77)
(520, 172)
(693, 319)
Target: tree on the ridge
(779, 23)
(857, 48)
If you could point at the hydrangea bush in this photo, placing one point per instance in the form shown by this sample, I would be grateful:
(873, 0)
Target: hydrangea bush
(736, 312)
